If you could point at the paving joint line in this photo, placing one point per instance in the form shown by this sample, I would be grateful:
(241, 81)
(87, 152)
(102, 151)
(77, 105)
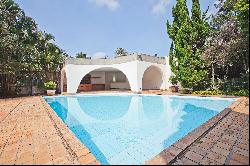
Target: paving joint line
(204, 134)
(229, 157)
(65, 143)
(11, 110)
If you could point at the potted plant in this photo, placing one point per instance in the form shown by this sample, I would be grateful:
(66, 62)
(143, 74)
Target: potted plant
(50, 87)
(174, 88)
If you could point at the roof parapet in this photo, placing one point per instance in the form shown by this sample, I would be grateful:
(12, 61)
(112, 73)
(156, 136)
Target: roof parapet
(116, 60)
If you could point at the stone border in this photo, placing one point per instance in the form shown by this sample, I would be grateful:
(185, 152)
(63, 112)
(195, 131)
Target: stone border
(80, 154)
(170, 154)
(76, 149)
(177, 149)
(153, 92)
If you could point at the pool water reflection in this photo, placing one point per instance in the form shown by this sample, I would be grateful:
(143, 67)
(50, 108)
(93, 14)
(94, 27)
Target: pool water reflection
(130, 129)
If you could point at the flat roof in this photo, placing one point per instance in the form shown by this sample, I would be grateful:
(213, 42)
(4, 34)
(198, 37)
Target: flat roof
(116, 60)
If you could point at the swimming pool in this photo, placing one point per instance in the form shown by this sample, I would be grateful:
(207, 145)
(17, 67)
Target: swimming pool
(130, 128)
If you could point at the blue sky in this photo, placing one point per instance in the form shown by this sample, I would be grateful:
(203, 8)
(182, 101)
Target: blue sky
(98, 27)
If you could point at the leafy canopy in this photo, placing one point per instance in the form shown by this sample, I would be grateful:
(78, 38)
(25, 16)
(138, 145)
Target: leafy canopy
(27, 55)
(188, 37)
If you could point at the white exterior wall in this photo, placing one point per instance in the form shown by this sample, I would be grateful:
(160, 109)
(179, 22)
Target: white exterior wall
(134, 72)
(143, 66)
(152, 79)
(168, 72)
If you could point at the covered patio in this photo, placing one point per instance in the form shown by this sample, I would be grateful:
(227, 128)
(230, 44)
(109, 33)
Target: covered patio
(106, 78)
(133, 72)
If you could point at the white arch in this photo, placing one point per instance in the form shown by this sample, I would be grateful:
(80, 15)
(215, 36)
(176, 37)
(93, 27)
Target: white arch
(107, 68)
(143, 66)
(152, 78)
(75, 73)
(133, 70)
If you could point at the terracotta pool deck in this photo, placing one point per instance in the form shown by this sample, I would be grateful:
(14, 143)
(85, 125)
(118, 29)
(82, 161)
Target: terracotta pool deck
(32, 133)
(223, 140)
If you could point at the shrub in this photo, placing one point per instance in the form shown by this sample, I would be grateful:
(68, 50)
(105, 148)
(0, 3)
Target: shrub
(236, 84)
(244, 92)
(50, 85)
(208, 92)
(232, 87)
(173, 80)
(185, 91)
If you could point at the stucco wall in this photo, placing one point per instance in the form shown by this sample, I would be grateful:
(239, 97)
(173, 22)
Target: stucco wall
(143, 66)
(76, 72)
(152, 79)
(134, 71)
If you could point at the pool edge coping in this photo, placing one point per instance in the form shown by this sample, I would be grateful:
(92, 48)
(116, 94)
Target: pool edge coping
(70, 139)
(182, 144)
(235, 98)
(177, 149)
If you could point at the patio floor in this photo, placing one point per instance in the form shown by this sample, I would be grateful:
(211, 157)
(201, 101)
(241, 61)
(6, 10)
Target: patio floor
(31, 133)
(223, 140)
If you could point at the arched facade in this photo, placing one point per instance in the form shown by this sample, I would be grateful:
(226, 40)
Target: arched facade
(104, 78)
(152, 78)
(137, 71)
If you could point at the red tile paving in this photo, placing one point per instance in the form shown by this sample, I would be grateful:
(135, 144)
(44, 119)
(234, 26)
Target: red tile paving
(32, 133)
(223, 140)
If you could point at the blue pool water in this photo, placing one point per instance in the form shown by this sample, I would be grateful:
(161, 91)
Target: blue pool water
(131, 129)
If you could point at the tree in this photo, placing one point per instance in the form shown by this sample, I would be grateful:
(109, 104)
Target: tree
(200, 28)
(188, 35)
(26, 54)
(81, 55)
(120, 52)
(242, 10)
(227, 47)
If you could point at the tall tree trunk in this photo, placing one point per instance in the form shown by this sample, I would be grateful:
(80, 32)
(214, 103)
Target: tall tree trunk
(3, 85)
(226, 74)
(6, 88)
(31, 84)
(213, 76)
(246, 66)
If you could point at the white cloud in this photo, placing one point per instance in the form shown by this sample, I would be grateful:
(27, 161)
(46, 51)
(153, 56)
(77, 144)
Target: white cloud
(111, 4)
(98, 55)
(160, 6)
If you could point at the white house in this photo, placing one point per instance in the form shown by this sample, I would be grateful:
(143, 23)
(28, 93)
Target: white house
(133, 72)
